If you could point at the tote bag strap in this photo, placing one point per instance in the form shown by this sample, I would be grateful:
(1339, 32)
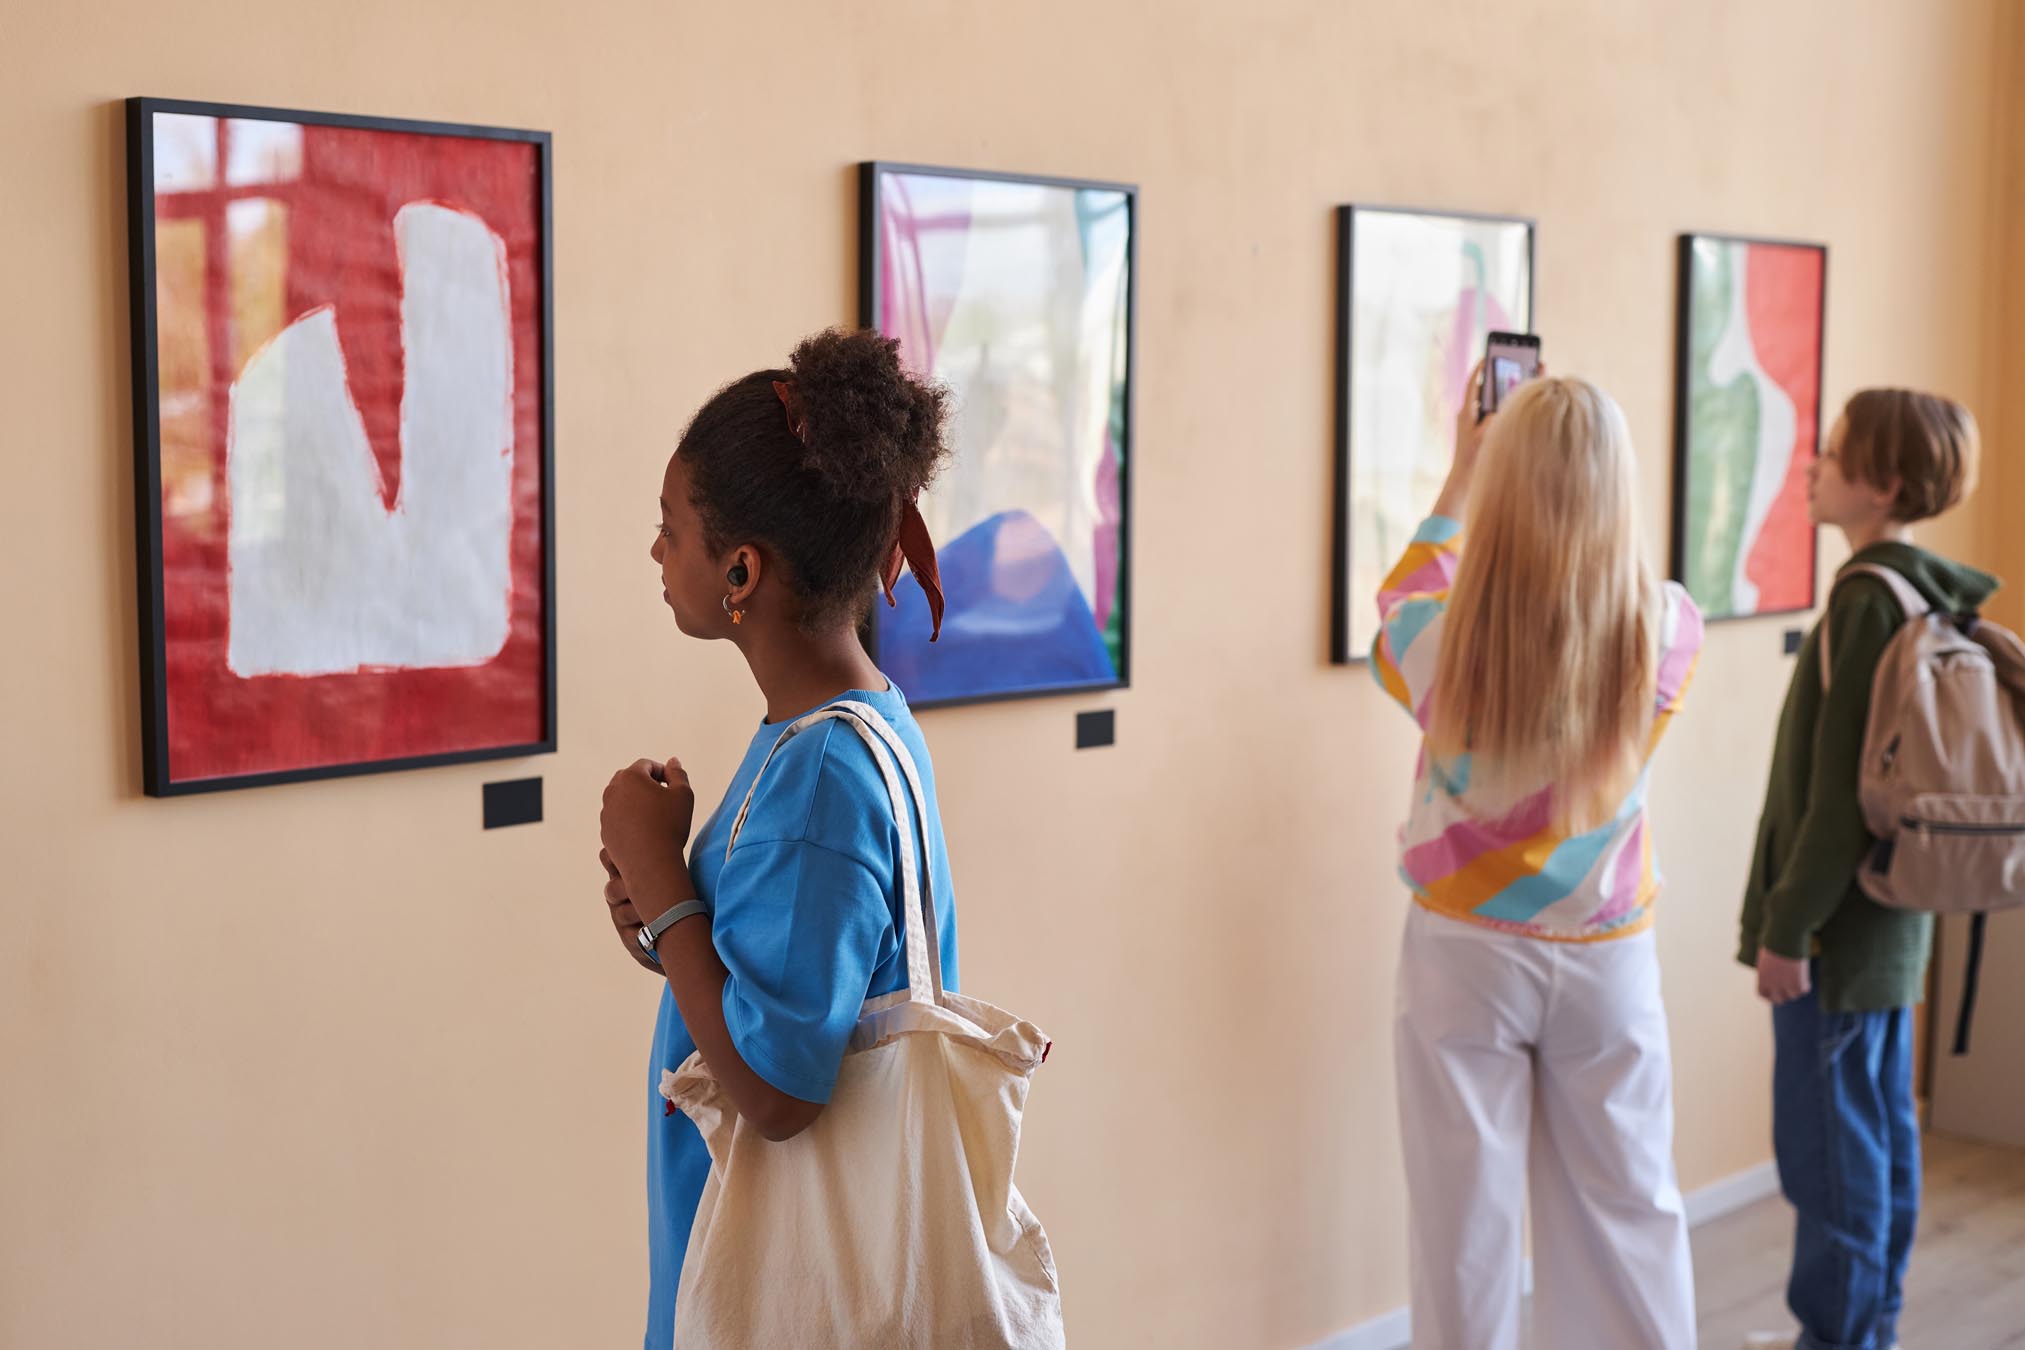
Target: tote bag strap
(917, 871)
(923, 905)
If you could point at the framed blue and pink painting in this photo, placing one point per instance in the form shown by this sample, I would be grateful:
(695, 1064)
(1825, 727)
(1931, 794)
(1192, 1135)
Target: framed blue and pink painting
(1016, 292)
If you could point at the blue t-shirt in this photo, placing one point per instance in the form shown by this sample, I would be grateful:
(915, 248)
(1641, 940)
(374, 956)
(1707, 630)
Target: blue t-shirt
(806, 916)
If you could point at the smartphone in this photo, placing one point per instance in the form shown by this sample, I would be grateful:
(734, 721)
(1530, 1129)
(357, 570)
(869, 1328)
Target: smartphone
(1510, 359)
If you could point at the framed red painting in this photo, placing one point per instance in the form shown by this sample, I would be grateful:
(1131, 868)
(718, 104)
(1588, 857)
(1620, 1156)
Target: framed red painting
(1747, 422)
(344, 443)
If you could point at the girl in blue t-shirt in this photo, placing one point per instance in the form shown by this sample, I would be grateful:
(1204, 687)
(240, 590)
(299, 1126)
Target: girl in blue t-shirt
(789, 496)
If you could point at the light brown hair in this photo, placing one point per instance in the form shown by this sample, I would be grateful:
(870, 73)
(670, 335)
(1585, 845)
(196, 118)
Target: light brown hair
(1925, 443)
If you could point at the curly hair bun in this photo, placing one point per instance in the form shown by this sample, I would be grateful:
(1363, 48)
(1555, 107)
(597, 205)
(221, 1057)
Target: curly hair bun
(873, 431)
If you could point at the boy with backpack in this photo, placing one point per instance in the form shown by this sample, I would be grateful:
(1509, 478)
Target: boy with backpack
(1841, 970)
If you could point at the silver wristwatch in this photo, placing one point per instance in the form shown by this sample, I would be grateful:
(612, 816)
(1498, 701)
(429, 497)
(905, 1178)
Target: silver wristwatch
(648, 935)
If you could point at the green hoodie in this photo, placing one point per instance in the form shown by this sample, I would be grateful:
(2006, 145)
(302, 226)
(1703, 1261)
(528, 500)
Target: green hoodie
(1802, 898)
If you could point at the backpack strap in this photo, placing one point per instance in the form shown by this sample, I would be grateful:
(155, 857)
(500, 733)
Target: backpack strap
(1971, 973)
(1911, 603)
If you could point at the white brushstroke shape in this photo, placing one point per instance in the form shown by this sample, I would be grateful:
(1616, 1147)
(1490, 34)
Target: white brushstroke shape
(1778, 423)
(324, 577)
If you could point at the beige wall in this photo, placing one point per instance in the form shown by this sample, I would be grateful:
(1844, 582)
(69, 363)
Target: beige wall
(326, 1066)
(2004, 429)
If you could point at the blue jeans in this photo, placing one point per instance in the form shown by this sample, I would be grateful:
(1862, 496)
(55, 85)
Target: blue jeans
(1846, 1134)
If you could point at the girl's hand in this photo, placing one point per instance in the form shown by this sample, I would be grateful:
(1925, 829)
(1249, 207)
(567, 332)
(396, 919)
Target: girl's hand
(1469, 443)
(645, 827)
(1470, 423)
(624, 917)
(1781, 979)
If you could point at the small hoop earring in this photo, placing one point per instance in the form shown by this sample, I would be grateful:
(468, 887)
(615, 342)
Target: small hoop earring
(737, 615)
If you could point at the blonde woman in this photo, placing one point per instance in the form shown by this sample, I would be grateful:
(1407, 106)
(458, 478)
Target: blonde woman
(1524, 631)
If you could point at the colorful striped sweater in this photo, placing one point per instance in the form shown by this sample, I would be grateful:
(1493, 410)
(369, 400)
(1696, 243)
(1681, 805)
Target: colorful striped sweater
(1516, 870)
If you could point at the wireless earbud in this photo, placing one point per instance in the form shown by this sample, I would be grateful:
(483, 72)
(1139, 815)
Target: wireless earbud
(737, 576)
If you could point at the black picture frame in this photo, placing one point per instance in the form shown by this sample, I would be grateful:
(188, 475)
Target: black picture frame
(1683, 409)
(157, 776)
(1340, 598)
(870, 174)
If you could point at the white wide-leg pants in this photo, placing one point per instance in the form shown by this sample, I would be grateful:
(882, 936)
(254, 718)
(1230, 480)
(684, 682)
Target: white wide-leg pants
(1512, 1050)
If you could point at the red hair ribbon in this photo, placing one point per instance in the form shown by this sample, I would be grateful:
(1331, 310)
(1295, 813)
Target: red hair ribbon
(917, 550)
(913, 548)
(798, 420)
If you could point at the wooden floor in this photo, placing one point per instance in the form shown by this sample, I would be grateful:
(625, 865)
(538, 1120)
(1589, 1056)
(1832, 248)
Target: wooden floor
(1966, 1290)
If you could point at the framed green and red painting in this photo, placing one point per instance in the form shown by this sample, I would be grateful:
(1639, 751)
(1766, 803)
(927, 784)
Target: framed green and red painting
(1747, 422)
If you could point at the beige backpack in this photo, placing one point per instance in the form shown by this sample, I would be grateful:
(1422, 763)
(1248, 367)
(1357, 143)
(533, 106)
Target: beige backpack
(1942, 782)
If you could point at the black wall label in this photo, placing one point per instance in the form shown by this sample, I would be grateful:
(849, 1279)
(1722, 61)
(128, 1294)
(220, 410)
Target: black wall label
(513, 803)
(1095, 729)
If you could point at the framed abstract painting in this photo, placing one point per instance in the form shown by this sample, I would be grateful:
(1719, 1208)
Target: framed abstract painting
(1016, 293)
(1747, 422)
(344, 428)
(1417, 292)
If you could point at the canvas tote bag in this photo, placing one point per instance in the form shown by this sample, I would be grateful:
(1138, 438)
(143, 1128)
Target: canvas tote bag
(893, 1220)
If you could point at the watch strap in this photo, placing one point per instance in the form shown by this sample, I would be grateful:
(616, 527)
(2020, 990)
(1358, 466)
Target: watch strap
(650, 933)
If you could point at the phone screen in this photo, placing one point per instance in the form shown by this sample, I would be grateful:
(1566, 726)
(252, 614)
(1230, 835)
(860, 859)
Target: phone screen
(1510, 359)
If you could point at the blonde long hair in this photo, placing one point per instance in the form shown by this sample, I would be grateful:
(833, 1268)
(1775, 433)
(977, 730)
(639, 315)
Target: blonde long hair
(1549, 654)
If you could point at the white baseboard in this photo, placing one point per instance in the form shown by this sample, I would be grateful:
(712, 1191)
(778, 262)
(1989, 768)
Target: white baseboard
(1394, 1330)
(1732, 1193)
(1390, 1332)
